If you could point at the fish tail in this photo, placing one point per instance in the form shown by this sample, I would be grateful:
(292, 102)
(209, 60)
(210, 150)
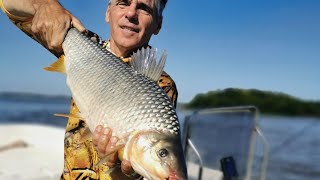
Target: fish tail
(57, 66)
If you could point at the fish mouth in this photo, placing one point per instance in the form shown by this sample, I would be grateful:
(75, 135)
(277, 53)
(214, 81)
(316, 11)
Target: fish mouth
(130, 28)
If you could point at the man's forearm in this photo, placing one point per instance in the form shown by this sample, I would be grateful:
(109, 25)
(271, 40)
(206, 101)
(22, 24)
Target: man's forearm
(46, 21)
(24, 8)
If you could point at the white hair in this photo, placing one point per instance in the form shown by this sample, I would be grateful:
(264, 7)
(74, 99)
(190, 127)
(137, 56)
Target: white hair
(159, 4)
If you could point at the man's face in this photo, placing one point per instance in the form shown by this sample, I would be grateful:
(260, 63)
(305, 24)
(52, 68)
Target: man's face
(132, 22)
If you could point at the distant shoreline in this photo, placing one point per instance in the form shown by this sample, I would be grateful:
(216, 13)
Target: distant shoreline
(268, 103)
(33, 97)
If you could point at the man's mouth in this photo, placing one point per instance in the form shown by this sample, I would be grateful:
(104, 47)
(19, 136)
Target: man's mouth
(129, 28)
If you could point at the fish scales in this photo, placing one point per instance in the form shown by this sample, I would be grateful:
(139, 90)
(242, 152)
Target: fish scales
(109, 92)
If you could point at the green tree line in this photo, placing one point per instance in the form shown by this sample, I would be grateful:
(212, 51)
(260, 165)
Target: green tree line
(266, 101)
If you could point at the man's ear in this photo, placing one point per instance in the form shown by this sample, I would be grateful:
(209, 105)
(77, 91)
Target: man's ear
(108, 14)
(159, 25)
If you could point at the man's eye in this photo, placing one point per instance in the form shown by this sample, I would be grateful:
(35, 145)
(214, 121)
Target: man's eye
(148, 10)
(145, 9)
(122, 3)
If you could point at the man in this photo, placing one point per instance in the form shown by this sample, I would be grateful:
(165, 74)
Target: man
(132, 23)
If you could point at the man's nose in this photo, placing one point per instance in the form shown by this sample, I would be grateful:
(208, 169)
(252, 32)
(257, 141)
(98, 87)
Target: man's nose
(132, 11)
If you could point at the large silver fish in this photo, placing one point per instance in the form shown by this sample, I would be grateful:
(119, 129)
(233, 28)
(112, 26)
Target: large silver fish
(127, 99)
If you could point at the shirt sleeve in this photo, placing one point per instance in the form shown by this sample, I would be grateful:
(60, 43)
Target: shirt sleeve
(23, 23)
(12, 17)
(169, 86)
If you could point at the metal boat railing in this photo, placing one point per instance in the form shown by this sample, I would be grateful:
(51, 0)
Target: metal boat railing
(232, 116)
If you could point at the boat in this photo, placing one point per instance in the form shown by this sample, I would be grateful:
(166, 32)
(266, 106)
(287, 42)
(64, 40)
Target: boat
(219, 144)
(31, 152)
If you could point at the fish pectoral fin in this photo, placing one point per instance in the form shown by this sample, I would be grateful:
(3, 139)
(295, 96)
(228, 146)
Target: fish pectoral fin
(110, 154)
(145, 62)
(77, 116)
(120, 154)
(62, 115)
(110, 170)
(57, 66)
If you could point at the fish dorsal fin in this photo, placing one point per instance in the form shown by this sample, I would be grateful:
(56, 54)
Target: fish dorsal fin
(146, 62)
(57, 66)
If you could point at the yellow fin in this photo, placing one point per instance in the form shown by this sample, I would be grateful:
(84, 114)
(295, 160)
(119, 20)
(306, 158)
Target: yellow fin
(77, 116)
(110, 170)
(57, 66)
(120, 154)
(110, 154)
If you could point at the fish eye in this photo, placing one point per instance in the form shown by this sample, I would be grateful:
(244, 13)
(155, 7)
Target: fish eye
(163, 153)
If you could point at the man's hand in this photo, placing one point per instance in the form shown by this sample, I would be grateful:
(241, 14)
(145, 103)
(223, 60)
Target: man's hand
(50, 21)
(50, 24)
(104, 143)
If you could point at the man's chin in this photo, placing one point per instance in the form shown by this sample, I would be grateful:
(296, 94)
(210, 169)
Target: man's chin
(128, 45)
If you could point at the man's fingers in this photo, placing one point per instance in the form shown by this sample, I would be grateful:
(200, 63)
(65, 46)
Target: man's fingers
(113, 159)
(51, 23)
(36, 31)
(53, 39)
(106, 144)
(110, 149)
(96, 135)
(77, 24)
(111, 145)
(104, 141)
(126, 167)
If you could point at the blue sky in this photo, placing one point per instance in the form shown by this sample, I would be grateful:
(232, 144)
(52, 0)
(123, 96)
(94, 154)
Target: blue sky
(269, 45)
